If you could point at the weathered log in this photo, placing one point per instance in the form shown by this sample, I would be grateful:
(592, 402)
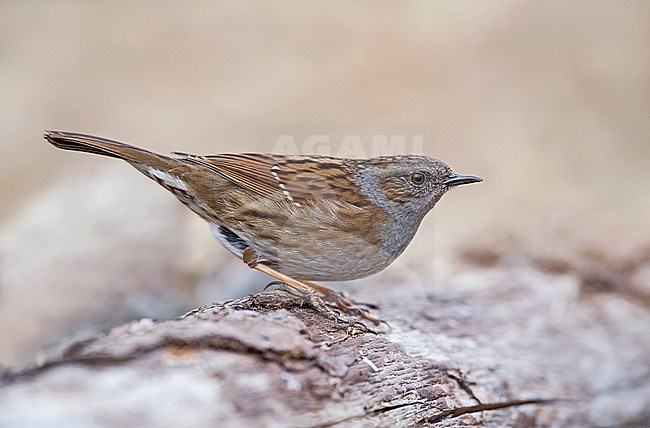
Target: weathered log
(511, 346)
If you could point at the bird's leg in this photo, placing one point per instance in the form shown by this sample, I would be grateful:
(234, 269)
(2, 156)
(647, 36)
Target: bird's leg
(252, 260)
(341, 301)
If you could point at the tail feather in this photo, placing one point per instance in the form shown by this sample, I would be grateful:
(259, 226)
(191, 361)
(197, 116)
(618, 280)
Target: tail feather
(102, 146)
(64, 144)
(171, 173)
(92, 144)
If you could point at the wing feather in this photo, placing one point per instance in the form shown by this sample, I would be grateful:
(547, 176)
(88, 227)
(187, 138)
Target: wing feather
(299, 179)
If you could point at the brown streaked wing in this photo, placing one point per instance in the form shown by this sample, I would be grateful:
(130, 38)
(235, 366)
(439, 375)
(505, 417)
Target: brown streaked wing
(249, 171)
(304, 178)
(309, 178)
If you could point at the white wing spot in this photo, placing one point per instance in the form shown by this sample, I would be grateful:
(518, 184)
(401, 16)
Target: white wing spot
(285, 192)
(168, 179)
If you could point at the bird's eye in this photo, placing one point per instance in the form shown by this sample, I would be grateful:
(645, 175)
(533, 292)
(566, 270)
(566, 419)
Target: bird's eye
(418, 178)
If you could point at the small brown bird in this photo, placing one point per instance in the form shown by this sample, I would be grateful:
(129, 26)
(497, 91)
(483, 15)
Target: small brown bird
(297, 218)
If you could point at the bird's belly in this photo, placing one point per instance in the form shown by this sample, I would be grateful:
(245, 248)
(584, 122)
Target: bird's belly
(320, 258)
(315, 256)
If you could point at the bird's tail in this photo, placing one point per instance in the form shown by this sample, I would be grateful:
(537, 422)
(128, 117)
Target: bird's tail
(102, 146)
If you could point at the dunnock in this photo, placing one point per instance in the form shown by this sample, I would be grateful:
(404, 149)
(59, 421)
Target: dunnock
(297, 218)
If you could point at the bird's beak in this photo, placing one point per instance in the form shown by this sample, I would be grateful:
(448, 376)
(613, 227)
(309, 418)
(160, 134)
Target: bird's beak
(460, 179)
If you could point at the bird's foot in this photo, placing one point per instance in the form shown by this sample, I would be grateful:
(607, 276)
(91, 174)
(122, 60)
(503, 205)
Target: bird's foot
(316, 294)
(343, 303)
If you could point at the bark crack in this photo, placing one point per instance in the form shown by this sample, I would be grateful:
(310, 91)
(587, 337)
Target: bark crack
(377, 411)
(460, 411)
(73, 356)
(463, 383)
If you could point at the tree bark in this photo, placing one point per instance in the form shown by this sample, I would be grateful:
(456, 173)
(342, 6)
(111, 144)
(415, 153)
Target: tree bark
(512, 345)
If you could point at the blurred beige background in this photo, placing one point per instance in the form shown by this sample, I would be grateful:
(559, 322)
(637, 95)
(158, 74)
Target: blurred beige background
(548, 101)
